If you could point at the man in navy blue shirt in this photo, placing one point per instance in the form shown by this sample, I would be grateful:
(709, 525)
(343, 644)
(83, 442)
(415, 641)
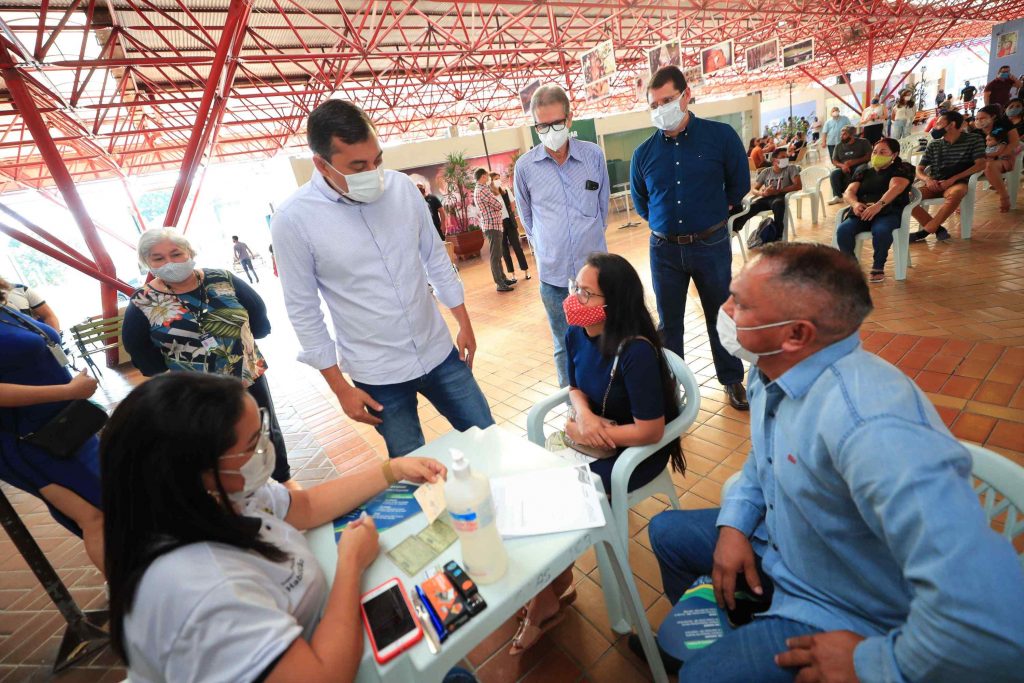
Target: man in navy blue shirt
(685, 179)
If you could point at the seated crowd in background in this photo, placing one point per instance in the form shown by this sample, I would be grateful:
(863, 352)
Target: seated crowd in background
(770, 189)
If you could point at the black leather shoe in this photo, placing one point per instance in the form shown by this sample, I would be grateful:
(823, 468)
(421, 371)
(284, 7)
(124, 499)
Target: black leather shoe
(671, 664)
(510, 281)
(737, 396)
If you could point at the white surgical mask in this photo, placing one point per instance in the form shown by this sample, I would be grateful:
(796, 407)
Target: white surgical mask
(992, 149)
(555, 139)
(174, 271)
(783, 162)
(257, 469)
(727, 330)
(365, 187)
(668, 116)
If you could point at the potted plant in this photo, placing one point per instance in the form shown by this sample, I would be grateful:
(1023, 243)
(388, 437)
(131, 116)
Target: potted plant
(465, 236)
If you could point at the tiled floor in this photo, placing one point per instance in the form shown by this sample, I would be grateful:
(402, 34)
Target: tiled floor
(956, 325)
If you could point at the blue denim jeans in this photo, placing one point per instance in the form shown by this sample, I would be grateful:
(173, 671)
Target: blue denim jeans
(450, 387)
(553, 297)
(709, 263)
(684, 545)
(881, 228)
(900, 129)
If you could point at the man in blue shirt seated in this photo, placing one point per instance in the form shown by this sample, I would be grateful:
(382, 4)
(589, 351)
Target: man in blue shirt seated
(685, 179)
(853, 514)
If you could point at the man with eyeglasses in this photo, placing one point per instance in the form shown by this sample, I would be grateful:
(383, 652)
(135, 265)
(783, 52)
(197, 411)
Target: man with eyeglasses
(362, 239)
(561, 188)
(685, 179)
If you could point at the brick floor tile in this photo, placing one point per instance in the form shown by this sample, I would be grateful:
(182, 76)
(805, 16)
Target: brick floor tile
(1007, 434)
(973, 427)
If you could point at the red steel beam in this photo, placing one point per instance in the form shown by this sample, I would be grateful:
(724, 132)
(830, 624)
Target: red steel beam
(23, 100)
(227, 50)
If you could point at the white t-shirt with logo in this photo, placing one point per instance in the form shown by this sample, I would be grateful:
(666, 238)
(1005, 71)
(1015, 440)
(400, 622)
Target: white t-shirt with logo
(212, 612)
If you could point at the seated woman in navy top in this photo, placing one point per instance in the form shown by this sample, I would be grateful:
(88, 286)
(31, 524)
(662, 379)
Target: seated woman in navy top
(607, 318)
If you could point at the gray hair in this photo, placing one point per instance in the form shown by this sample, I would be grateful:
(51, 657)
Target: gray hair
(549, 94)
(155, 236)
(819, 283)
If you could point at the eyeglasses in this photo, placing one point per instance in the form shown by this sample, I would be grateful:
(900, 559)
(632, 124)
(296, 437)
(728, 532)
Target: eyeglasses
(666, 101)
(262, 441)
(543, 128)
(582, 295)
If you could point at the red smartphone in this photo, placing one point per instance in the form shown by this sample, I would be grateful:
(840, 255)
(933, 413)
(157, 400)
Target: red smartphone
(389, 620)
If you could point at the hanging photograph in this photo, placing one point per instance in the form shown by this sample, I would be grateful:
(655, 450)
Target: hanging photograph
(666, 54)
(797, 53)
(598, 63)
(526, 94)
(599, 90)
(1007, 44)
(693, 76)
(716, 57)
(763, 55)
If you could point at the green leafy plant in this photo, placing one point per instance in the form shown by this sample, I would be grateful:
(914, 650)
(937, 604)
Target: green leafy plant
(458, 192)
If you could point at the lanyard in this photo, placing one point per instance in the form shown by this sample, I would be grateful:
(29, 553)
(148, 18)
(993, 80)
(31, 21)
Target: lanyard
(54, 348)
(204, 302)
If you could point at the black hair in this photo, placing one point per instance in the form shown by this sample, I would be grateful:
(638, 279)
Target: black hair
(953, 117)
(153, 453)
(993, 110)
(894, 146)
(1002, 135)
(480, 173)
(337, 119)
(1004, 66)
(779, 152)
(626, 316)
(234, 237)
(668, 74)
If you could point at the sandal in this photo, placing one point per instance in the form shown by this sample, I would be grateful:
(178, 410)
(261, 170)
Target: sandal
(564, 600)
(528, 634)
(876, 276)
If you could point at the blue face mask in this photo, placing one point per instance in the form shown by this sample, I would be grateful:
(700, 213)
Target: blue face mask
(1004, 75)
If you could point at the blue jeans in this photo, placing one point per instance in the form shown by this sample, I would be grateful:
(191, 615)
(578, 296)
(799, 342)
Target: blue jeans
(881, 228)
(709, 263)
(553, 297)
(684, 545)
(900, 129)
(450, 387)
(250, 272)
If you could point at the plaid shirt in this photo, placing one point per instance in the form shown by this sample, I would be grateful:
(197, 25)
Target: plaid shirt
(489, 207)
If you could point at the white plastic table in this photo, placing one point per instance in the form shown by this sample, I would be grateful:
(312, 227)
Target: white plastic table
(533, 562)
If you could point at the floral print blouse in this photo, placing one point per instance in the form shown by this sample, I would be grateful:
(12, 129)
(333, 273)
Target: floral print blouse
(210, 329)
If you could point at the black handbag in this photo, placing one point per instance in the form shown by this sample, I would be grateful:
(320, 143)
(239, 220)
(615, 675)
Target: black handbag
(69, 429)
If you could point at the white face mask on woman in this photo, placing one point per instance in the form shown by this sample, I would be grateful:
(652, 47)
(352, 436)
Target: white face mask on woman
(727, 329)
(257, 469)
(174, 271)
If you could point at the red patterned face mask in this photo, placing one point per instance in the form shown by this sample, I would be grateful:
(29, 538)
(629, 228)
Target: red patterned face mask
(580, 315)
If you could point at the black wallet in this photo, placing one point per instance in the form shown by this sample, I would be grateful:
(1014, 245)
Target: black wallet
(69, 429)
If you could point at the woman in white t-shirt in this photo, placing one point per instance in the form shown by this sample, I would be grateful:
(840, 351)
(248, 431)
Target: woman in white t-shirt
(872, 121)
(210, 576)
(903, 115)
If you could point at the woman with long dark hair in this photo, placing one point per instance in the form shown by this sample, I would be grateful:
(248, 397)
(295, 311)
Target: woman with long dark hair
(989, 120)
(210, 577)
(622, 395)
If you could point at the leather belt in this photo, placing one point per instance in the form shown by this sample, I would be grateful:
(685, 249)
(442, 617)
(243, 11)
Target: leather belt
(692, 237)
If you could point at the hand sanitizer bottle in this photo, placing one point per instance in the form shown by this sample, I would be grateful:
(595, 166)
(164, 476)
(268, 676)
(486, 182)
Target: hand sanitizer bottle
(468, 499)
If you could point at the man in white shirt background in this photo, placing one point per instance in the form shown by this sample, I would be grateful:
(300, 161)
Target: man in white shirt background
(363, 239)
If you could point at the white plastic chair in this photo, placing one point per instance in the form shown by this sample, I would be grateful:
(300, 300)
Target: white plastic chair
(811, 180)
(621, 498)
(1000, 486)
(900, 238)
(741, 235)
(966, 205)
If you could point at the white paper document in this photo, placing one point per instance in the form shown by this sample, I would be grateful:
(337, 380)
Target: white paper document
(546, 502)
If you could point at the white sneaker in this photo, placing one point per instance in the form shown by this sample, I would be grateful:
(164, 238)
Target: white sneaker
(835, 200)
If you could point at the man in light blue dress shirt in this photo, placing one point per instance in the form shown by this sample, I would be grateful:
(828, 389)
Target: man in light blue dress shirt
(853, 514)
(362, 239)
(562, 195)
(833, 130)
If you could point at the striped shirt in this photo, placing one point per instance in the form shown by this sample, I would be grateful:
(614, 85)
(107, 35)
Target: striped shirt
(489, 207)
(946, 159)
(564, 220)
